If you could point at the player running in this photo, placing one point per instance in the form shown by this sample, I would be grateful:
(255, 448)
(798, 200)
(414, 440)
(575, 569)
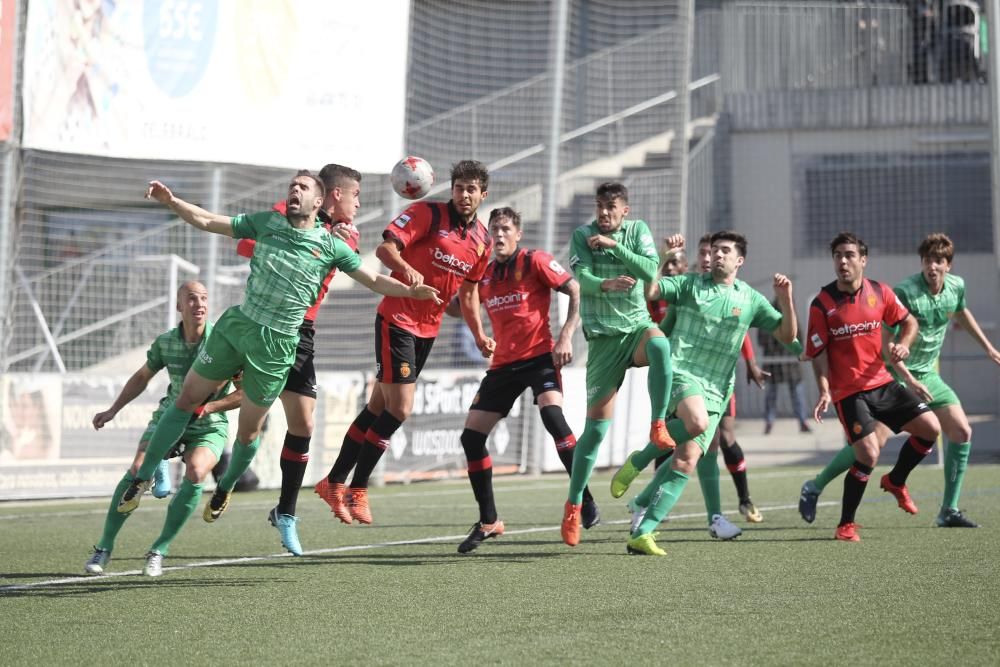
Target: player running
(712, 313)
(933, 297)
(202, 440)
(517, 292)
(845, 341)
(343, 199)
(291, 258)
(613, 258)
(444, 245)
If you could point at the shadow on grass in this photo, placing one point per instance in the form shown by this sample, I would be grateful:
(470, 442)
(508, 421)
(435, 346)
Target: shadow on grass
(93, 585)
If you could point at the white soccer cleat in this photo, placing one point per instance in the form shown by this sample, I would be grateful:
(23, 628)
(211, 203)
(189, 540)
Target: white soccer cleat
(97, 561)
(154, 564)
(722, 529)
(638, 514)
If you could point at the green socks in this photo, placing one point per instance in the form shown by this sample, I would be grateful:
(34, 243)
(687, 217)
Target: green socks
(663, 500)
(178, 512)
(584, 456)
(240, 460)
(956, 460)
(168, 431)
(840, 464)
(114, 520)
(660, 375)
(708, 478)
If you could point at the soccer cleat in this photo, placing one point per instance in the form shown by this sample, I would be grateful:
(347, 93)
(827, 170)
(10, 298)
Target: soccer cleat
(480, 533)
(335, 496)
(285, 523)
(216, 505)
(133, 494)
(847, 533)
(659, 436)
(644, 545)
(902, 494)
(357, 505)
(97, 561)
(722, 529)
(162, 486)
(570, 528)
(154, 564)
(750, 512)
(590, 515)
(624, 477)
(953, 518)
(638, 514)
(808, 499)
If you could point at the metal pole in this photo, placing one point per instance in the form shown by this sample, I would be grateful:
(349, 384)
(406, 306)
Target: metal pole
(6, 232)
(993, 73)
(557, 63)
(686, 21)
(212, 260)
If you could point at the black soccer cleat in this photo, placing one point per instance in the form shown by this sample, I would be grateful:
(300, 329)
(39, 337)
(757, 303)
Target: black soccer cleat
(480, 532)
(590, 516)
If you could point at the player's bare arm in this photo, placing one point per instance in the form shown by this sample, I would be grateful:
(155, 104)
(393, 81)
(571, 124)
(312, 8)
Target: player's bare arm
(389, 286)
(468, 299)
(821, 367)
(193, 215)
(133, 389)
(967, 321)
(454, 308)
(230, 401)
(388, 252)
(899, 349)
(562, 353)
(789, 327)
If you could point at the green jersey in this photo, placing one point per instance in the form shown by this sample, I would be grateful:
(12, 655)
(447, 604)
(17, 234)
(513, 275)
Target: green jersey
(709, 324)
(614, 313)
(172, 352)
(287, 268)
(933, 311)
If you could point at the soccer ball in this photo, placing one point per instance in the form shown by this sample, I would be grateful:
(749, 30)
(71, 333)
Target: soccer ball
(412, 177)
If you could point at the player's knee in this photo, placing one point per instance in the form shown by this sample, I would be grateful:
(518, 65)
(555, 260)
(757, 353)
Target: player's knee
(555, 421)
(474, 444)
(696, 424)
(959, 432)
(867, 454)
(301, 427)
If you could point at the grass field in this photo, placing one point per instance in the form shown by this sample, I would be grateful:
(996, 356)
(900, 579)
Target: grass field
(398, 593)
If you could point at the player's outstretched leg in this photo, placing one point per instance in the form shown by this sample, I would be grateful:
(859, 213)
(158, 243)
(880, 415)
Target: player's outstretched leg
(812, 488)
(894, 482)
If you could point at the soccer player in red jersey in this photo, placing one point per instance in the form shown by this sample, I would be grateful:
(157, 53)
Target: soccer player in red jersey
(443, 245)
(845, 340)
(517, 292)
(343, 199)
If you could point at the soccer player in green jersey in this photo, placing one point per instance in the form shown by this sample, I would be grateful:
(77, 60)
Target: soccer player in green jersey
(613, 258)
(934, 297)
(713, 312)
(290, 260)
(203, 438)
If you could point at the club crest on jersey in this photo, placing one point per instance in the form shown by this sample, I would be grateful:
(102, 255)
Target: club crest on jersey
(316, 253)
(736, 311)
(872, 300)
(518, 275)
(480, 249)
(404, 370)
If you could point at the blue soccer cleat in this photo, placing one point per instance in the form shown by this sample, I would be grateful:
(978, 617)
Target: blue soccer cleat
(162, 486)
(285, 523)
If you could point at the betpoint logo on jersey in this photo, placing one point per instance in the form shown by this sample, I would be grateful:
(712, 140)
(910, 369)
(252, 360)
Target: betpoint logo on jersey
(505, 300)
(451, 261)
(855, 329)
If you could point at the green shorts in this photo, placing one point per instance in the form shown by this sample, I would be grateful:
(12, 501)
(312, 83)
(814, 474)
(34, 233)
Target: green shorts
(685, 386)
(264, 355)
(608, 357)
(942, 393)
(214, 438)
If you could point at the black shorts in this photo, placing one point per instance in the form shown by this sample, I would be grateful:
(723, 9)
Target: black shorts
(399, 354)
(502, 386)
(302, 374)
(892, 404)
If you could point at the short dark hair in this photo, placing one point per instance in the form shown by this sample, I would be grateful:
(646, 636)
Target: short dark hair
(738, 240)
(471, 170)
(848, 237)
(337, 175)
(506, 212)
(316, 179)
(938, 246)
(612, 190)
(706, 239)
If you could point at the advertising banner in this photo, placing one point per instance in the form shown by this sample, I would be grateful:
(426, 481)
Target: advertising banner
(285, 83)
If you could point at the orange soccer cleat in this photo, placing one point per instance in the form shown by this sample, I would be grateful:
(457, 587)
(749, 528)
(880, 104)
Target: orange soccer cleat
(334, 495)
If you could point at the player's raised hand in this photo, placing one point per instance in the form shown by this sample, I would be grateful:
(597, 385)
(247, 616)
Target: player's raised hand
(159, 192)
(344, 230)
(822, 405)
(674, 241)
(782, 286)
(619, 284)
(423, 292)
(599, 241)
(102, 418)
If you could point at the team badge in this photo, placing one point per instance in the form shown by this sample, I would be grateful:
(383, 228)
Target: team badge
(736, 311)
(857, 428)
(316, 253)
(872, 300)
(404, 370)
(480, 249)
(518, 275)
